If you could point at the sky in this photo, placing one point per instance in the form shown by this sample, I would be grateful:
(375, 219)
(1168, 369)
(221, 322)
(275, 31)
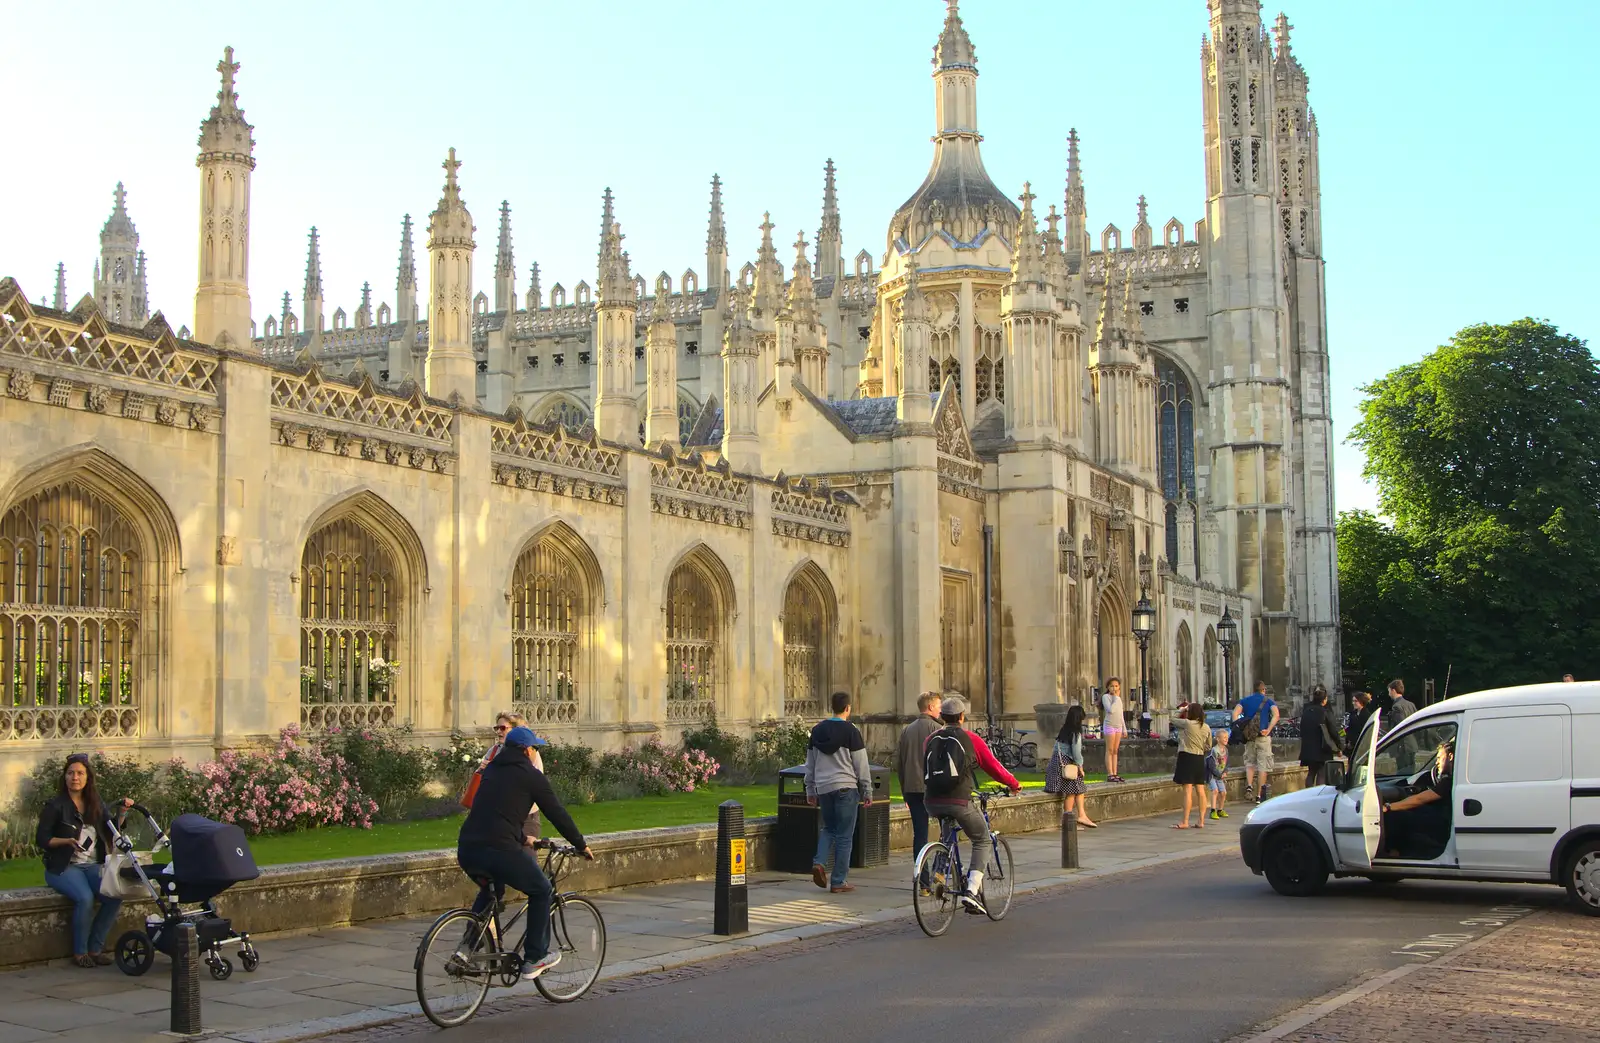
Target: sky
(1458, 141)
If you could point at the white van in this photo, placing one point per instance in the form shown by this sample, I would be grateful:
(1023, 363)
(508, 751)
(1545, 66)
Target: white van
(1518, 800)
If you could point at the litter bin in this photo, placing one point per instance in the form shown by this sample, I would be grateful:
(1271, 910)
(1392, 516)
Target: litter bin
(798, 823)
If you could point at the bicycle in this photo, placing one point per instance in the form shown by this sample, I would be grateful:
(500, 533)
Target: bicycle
(1012, 754)
(462, 955)
(938, 882)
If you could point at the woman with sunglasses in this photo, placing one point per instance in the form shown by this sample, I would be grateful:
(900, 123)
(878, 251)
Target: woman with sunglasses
(72, 834)
(503, 723)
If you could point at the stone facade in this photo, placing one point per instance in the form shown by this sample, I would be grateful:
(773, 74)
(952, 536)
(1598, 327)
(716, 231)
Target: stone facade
(632, 508)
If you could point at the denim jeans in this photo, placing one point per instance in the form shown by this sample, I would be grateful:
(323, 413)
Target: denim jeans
(919, 823)
(837, 830)
(81, 884)
(519, 870)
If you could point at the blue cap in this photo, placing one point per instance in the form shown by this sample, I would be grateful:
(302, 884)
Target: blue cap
(523, 737)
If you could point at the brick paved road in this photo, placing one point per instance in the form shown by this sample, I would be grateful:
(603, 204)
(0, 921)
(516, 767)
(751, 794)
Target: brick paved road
(1536, 980)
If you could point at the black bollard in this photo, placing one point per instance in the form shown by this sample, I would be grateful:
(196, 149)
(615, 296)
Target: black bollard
(732, 912)
(186, 981)
(1069, 840)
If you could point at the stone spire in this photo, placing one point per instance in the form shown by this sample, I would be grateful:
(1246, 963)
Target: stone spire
(226, 160)
(1141, 227)
(534, 299)
(616, 414)
(913, 405)
(505, 270)
(954, 49)
(406, 279)
(1075, 243)
(452, 370)
(364, 312)
(288, 322)
(661, 370)
(741, 445)
(119, 287)
(716, 241)
(311, 298)
(769, 272)
(830, 242)
(60, 302)
(1027, 258)
(810, 337)
(1055, 260)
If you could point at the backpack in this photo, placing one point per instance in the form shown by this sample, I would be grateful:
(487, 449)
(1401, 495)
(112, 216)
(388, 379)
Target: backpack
(1246, 728)
(944, 764)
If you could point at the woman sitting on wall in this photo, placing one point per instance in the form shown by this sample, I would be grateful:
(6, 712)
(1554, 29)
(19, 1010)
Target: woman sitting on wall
(72, 834)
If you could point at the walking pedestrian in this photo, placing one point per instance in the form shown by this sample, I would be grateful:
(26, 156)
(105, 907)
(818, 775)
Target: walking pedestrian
(1194, 741)
(1112, 725)
(1317, 743)
(1399, 708)
(1356, 720)
(1067, 761)
(1217, 774)
(1259, 714)
(908, 764)
(838, 783)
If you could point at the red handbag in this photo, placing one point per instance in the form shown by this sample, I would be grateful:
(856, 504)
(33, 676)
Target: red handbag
(472, 788)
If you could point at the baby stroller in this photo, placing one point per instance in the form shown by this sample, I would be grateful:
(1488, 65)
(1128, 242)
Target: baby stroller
(207, 858)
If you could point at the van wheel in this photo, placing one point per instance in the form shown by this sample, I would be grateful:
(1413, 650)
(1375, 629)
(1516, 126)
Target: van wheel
(1293, 865)
(1583, 877)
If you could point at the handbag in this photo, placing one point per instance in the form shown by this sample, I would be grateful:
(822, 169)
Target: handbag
(472, 788)
(113, 884)
(1053, 773)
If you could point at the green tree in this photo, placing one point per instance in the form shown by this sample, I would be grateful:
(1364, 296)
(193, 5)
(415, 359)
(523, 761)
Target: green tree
(1486, 455)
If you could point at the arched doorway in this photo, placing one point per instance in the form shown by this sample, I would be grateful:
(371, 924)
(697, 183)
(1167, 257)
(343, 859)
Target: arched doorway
(1112, 637)
(1185, 664)
(1213, 669)
(808, 612)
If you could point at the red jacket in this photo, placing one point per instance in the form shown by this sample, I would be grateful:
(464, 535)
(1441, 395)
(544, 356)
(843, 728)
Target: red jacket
(992, 767)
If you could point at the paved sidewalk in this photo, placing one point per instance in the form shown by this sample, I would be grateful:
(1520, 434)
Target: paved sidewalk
(1535, 979)
(321, 982)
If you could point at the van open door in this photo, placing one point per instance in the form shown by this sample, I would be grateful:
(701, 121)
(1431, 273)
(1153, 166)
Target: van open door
(1357, 806)
(1371, 802)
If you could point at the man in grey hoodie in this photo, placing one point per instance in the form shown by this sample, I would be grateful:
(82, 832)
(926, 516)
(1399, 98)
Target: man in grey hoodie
(837, 783)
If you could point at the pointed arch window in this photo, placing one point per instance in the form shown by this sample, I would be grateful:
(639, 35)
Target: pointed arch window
(1175, 438)
(350, 604)
(807, 624)
(694, 643)
(73, 655)
(565, 412)
(549, 621)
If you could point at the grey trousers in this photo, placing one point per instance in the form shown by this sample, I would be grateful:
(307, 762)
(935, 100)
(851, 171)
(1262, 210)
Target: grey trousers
(970, 819)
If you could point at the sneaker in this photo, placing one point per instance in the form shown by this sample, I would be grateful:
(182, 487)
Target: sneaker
(819, 875)
(973, 904)
(531, 969)
(1222, 814)
(1213, 814)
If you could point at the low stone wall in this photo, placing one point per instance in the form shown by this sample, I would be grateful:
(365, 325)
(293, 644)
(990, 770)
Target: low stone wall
(1144, 756)
(34, 921)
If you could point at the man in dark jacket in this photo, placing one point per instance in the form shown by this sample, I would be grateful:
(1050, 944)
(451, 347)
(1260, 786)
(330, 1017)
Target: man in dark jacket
(492, 842)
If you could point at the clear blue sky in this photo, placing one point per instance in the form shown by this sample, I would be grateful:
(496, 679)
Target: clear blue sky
(1458, 139)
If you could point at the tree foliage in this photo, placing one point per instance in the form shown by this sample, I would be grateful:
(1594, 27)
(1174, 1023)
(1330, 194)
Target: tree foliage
(1486, 455)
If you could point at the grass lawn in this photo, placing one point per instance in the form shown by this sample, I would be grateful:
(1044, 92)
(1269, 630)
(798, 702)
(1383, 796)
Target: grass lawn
(678, 809)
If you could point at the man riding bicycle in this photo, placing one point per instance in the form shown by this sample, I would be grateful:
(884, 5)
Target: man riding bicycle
(948, 777)
(492, 842)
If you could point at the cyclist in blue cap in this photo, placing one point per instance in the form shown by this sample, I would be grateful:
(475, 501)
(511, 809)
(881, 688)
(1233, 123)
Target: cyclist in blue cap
(493, 844)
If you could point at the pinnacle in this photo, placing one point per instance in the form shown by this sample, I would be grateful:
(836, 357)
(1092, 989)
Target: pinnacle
(451, 165)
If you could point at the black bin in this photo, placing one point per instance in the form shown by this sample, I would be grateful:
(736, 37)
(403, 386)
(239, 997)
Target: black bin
(798, 823)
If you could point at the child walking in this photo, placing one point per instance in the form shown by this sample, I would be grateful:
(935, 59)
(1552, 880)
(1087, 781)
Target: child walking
(1216, 777)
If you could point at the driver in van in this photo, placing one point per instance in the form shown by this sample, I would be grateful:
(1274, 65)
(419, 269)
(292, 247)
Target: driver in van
(1418, 826)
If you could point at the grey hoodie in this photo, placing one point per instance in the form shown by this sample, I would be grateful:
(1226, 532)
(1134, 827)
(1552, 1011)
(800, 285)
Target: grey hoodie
(836, 759)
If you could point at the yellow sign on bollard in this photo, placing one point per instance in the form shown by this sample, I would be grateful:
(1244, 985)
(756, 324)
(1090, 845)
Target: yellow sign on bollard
(736, 861)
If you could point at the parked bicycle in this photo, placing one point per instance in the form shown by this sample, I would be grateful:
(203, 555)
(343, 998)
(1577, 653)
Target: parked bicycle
(1013, 754)
(465, 953)
(938, 882)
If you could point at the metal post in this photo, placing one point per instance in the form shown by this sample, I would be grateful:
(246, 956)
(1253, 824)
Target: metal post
(186, 981)
(1227, 676)
(988, 628)
(1144, 682)
(1069, 839)
(732, 903)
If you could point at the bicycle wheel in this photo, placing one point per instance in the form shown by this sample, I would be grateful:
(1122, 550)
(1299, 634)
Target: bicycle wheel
(456, 962)
(999, 880)
(933, 890)
(1030, 756)
(578, 933)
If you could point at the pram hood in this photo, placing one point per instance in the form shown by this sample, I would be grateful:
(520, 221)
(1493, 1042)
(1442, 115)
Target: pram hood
(210, 853)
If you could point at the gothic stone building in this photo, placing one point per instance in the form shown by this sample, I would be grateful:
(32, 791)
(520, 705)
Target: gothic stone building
(627, 508)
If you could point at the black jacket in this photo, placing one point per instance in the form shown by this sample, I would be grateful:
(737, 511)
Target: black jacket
(510, 788)
(60, 818)
(1315, 736)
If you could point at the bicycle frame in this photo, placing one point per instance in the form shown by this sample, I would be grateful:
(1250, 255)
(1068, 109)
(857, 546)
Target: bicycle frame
(555, 867)
(950, 834)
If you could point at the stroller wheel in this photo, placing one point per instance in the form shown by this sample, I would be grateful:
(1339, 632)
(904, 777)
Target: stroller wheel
(134, 953)
(250, 958)
(221, 968)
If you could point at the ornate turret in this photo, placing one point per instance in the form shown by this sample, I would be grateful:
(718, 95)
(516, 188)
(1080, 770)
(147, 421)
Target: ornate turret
(661, 370)
(957, 194)
(810, 338)
(60, 301)
(311, 297)
(451, 367)
(768, 296)
(830, 241)
(912, 404)
(405, 301)
(364, 312)
(1028, 308)
(616, 415)
(1075, 242)
(119, 287)
(222, 296)
(716, 241)
(534, 299)
(741, 446)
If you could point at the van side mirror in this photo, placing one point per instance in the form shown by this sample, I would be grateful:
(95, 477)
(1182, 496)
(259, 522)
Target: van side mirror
(1333, 774)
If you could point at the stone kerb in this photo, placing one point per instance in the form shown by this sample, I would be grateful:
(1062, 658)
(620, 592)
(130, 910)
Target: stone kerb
(309, 896)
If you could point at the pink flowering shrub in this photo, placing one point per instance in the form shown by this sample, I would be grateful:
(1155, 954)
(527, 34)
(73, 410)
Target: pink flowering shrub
(295, 786)
(657, 770)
